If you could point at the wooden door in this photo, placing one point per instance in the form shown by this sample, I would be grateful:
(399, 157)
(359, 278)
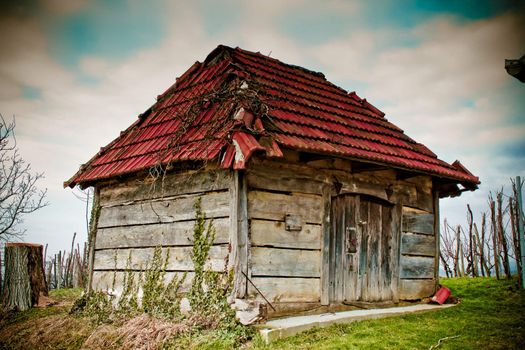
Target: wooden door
(361, 253)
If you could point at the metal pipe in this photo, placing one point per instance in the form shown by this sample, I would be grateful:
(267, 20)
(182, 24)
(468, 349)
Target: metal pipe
(258, 291)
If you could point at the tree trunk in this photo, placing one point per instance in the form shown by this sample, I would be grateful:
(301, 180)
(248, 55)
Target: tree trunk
(486, 259)
(515, 238)
(457, 271)
(445, 265)
(479, 250)
(1, 280)
(24, 276)
(502, 238)
(494, 237)
(471, 254)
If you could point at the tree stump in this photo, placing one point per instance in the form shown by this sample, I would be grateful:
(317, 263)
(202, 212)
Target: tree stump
(24, 279)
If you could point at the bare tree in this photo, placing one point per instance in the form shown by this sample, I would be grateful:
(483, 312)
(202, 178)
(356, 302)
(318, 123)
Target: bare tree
(447, 253)
(19, 194)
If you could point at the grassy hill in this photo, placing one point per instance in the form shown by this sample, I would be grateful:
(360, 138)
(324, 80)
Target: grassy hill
(491, 315)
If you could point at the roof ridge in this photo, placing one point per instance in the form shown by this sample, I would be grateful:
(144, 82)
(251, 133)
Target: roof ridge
(322, 84)
(293, 66)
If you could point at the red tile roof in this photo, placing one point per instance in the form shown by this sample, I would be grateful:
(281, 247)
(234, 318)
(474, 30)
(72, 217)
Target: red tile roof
(238, 102)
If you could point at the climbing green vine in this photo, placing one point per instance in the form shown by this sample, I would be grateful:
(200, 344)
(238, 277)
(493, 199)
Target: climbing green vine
(148, 293)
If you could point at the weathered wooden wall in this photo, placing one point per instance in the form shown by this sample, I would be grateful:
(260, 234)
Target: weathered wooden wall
(418, 255)
(285, 210)
(276, 217)
(291, 266)
(137, 216)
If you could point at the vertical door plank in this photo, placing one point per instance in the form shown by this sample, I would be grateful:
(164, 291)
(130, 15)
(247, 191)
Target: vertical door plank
(351, 263)
(326, 228)
(396, 238)
(386, 252)
(333, 229)
(363, 258)
(339, 246)
(374, 231)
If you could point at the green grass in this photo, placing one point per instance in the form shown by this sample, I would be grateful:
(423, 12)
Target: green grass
(63, 298)
(491, 316)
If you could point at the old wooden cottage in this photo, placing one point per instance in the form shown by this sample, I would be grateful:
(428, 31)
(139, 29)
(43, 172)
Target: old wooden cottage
(317, 199)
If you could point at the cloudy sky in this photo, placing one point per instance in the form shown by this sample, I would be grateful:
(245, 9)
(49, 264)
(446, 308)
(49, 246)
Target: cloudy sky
(75, 73)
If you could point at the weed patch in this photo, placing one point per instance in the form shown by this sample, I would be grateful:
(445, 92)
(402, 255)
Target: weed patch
(123, 320)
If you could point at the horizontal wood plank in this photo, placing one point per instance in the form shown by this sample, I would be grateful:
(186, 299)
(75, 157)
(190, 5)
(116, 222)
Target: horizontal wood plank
(273, 233)
(103, 280)
(285, 290)
(170, 185)
(414, 244)
(168, 234)
(283, 179)
(285, 262)
(416, 289)
(179, 258)
(418, 223)
(274, 206)
(416, 267)
(214, 204)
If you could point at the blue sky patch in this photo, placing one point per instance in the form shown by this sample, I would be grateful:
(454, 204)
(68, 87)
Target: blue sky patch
(112, 30)
(30, 92)
(409, 13)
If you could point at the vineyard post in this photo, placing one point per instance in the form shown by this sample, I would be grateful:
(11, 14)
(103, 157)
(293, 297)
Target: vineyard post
(520, 230)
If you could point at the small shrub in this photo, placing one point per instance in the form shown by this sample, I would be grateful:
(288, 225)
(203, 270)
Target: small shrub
(161, 299)
(96, 305)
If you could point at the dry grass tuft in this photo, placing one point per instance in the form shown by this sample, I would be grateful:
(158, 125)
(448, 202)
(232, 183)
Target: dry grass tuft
(141, 332)
(50, 332)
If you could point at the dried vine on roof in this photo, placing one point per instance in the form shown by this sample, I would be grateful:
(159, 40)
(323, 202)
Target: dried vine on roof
(226, 100)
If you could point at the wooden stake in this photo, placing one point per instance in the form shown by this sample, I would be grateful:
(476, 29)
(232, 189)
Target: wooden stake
(502, 238)
(494, 236)
(521, 229)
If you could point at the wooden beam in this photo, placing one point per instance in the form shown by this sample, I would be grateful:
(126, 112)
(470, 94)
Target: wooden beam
(274, 206)
(92, 239)
(325, 264)
(138, 258)
(214, 205)
(239, 233)
(139, 189)
(396, 248)
(437, 237)
(416, 267)
(285, 262)
(416, 289)
(165, 234)
(286, 290)
(418, 223)
(273, 234)
(415, 244)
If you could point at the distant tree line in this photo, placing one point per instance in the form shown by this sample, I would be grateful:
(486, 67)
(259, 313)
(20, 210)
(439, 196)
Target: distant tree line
(487, 248)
